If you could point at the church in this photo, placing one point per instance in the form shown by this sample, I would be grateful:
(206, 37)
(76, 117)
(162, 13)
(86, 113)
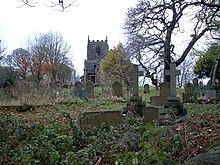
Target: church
(96, 51)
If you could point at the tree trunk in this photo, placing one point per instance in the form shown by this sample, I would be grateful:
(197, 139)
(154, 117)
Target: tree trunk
(214, 72)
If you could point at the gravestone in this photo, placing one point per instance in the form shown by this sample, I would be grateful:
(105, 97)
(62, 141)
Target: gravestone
(173, 101)
(189, 92)
(195, 82)
(79, 91)
(150, 114)
(172, 73)
(165, 89)
(196, 87)
(135, 104)
(89, 87)
(146, 88)
(189, 88)
(210, 94)
(134, 74)
(200, 92)
(96, 118)
(164, 93)
(117, 89)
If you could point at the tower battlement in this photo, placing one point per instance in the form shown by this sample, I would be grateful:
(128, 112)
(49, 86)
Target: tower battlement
(96, 50)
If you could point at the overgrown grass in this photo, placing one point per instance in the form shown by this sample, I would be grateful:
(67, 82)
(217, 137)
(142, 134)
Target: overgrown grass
(52, 135)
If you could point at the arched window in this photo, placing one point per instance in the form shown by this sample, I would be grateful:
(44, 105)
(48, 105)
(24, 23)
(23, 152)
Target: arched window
(97, 50)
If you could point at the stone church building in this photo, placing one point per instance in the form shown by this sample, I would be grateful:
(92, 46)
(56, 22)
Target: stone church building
(96, 50)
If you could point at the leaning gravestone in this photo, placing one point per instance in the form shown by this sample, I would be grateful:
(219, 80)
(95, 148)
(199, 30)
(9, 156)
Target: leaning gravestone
(117, 89)
(146, 88)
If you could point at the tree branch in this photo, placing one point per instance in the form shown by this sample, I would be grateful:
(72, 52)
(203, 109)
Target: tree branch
(190, 45)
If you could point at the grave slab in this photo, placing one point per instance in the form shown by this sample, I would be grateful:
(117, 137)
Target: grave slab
(91, 119)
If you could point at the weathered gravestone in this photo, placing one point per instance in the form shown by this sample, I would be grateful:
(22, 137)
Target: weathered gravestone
(79, 91)
(117, 89)
(89, 88)
(189, 92)
(172, 73)
(150, 114)
(135, 73)
(173, 101)
(195, 82)
(164, 93)
(97, 118)
(146, 88)
(210, 94)
(196, 88)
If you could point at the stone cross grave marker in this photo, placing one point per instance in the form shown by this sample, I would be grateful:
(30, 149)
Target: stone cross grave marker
(134, 73)
(173, 73)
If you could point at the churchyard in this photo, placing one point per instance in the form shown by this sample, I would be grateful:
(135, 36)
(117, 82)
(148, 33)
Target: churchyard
(89, 124)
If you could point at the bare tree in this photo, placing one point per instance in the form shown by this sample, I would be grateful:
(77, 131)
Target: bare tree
(152, 25)
(37, 49)
(187, 73)
(60, 5)
(2, 49)
(49, 54)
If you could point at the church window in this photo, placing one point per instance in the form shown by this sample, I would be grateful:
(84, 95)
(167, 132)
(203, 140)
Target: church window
(97, 50)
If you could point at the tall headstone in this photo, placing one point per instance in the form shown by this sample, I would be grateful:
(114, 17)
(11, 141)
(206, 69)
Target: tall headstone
(117, 89)
(136, 104)
(173, 102)
(134, 74)
(172, 73)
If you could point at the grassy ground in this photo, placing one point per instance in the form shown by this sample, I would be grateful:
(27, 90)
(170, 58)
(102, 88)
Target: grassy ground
(50, 134)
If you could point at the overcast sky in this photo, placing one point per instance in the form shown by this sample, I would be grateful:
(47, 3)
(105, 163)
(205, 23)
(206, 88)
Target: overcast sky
(96, 18)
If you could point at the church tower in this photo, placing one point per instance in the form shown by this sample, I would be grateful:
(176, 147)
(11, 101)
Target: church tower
(96, 50)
